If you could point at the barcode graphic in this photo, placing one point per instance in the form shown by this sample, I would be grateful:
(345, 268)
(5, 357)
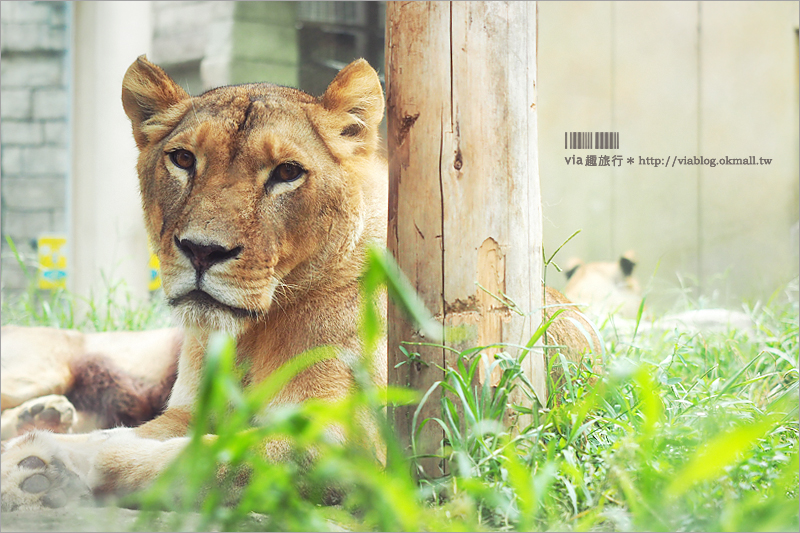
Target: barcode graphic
(586, 140)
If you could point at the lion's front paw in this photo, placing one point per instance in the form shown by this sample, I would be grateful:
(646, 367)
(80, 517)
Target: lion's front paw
(35, 475)
(53, 412)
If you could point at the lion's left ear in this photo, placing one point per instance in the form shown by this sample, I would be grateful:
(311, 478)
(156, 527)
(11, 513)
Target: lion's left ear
(627, 262)
(356, 92)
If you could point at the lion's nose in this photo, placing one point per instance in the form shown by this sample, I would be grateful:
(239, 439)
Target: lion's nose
(204, 256)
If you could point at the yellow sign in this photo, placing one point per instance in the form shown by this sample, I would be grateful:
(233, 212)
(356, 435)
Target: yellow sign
(52, 251)
(155, 275)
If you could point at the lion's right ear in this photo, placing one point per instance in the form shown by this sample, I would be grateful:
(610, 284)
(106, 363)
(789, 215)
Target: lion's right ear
(147, 91)
(626, 265)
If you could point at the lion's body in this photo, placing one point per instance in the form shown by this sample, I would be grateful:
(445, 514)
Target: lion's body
(260, 202)
(570, 333)
(104, 379)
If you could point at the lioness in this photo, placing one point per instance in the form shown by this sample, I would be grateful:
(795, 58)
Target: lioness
(260, 201)
(605, 287)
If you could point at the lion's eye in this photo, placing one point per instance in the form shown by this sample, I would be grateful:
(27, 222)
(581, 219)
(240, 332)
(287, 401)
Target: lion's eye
(286, 172)
(182, 159)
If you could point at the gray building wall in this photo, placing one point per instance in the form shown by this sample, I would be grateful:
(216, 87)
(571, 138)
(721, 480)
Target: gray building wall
(34, 107)
(298, 44)
(227, 43)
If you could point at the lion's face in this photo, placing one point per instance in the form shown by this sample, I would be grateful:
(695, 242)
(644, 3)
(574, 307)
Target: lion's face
(605, 287)
(250, 191)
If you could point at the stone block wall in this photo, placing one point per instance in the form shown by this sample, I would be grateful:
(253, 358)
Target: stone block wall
(34, 106)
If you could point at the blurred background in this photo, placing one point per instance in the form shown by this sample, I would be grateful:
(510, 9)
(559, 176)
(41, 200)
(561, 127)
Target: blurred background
(705, 79)
(685, 79)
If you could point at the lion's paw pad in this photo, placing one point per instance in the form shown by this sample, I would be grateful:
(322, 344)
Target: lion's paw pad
(34, 482)
(53, 412)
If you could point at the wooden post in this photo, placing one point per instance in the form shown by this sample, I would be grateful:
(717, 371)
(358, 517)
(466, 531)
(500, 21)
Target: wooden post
(464, 204)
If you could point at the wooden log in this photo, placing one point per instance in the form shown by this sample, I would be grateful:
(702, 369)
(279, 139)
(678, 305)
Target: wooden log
(464, 204)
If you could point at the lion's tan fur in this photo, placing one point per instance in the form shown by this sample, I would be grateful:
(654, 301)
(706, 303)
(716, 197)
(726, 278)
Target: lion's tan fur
(41, 361)
(571, 333)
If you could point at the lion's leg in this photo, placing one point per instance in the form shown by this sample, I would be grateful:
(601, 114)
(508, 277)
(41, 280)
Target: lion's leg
(35, 363)
(42, 469)
(53, 412)
(174, 422)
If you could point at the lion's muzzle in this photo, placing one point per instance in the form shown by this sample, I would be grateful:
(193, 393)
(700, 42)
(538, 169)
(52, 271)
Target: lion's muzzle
(204, 256)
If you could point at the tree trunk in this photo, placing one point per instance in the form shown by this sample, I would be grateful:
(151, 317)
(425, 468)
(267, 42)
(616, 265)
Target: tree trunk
(464, 204)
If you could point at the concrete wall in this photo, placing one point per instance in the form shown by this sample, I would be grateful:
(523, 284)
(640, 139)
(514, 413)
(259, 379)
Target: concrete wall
(709, 79)
(107, 235)
(34, 106)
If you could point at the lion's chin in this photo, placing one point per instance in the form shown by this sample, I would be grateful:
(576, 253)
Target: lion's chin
(197, 309)
(187, 316)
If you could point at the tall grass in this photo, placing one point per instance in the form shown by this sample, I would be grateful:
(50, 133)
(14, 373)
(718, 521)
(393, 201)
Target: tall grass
(681, 432)
(114, 309)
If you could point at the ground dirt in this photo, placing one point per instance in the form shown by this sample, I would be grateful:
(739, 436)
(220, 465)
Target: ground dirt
(104, 519)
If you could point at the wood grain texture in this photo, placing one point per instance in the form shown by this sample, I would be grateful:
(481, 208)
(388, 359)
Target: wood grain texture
(464, 205)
